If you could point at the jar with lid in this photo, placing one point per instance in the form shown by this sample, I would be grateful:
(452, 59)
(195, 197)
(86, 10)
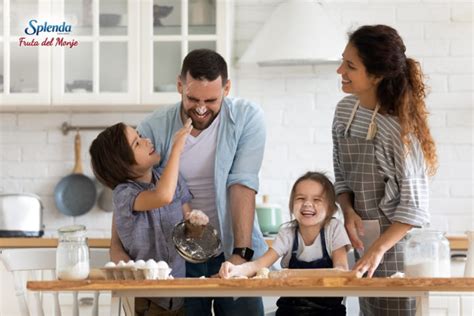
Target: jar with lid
(427, 254)
(72, 254)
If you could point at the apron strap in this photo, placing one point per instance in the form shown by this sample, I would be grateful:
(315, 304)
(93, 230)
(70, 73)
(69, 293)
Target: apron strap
(372, 126)
(323, 244)
(351, 118)
(372, 130)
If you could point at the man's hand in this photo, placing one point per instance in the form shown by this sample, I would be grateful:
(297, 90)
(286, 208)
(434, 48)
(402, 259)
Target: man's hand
(236, 259)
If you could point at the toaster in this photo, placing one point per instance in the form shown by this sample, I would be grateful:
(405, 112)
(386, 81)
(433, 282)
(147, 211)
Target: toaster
(21, 215)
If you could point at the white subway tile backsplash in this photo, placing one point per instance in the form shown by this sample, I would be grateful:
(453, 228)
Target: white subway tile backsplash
(417, 48)
(373, 15)
(424, 12)
(460, 118)
(450, 100)
(462, 12)
(437, 119)
(455, 152)
(41, 121)
(446, 30)
(438, 83)
(24, 170)
(455, 171)
(462, 189)
(8, 121)
(461, 47)
(10, 153)
(461, 83)
(20, 137)
(447, 65)
(453, 135)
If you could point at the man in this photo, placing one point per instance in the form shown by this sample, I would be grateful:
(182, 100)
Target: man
(220, 163)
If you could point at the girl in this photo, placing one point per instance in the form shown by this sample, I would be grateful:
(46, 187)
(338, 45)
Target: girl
(148, 201)
(383, 152)
(313, 240)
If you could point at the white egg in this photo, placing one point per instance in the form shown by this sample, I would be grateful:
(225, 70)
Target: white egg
(151, 264)
(130, 263)
(140, 264)
(110, 264)
(121, 263)
(162, 265)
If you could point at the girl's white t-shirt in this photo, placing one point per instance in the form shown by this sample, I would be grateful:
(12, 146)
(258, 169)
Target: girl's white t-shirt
(334, 233)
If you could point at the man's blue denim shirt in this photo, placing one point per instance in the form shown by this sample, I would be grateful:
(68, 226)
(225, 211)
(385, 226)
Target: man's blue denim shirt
(239, 155)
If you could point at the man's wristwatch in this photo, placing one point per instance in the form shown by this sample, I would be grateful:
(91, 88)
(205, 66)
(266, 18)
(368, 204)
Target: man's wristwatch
(246, 253)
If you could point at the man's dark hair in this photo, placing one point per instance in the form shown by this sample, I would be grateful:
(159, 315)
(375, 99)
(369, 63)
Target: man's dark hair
(112, 157)
(204, 64)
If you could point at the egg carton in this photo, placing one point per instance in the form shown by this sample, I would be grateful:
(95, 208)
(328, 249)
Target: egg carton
(132, 273)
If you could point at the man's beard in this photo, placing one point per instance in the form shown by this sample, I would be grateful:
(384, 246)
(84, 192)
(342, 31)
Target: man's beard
(199, 124)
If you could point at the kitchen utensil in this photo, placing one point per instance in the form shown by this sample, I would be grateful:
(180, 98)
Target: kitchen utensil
(269, 216)
(105, 199)
(21, 215)
(469, 268)
(160, 12)
(196, 250)
(76, 193)
(313, 273)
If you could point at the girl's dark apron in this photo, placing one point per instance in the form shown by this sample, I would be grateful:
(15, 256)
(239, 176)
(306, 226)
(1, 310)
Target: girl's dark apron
(302, 306)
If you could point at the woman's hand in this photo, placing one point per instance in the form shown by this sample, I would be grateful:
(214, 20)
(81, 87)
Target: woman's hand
(354, 228)
(180, 136)
(369, 262)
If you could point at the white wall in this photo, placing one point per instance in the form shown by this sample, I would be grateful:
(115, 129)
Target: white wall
(298, 104)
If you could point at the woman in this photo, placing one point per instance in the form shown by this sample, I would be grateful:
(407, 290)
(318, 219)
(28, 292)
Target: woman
(383, 154)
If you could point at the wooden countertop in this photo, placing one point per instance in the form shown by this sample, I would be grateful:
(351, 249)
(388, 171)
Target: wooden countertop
(258, 286)
(456, 242)
(47, 242)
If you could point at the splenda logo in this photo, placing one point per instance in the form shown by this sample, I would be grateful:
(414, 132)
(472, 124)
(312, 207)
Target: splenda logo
(35, 29)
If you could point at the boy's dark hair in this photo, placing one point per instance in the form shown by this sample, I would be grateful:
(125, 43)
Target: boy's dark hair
(111, 156)
(328, 189)
(204, 64)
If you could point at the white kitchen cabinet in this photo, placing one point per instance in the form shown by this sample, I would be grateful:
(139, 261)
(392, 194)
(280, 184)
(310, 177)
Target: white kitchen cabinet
(129, 52)
(25, 72)
(451, 304)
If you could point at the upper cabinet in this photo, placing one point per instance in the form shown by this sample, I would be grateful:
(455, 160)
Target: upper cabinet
(103, 52)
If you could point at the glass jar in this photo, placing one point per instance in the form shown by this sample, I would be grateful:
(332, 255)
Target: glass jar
(72, 254)
(427, 254)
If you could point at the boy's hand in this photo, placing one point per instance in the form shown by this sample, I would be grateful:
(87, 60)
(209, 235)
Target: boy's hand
(180, 136)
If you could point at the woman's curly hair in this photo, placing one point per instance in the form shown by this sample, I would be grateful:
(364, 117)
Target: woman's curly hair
(401, 92)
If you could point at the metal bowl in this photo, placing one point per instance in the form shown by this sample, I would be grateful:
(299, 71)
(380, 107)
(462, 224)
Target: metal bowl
(196, 250)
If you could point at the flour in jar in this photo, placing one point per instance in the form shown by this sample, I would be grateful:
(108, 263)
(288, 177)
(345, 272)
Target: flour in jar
(79, 271)
(429, 269)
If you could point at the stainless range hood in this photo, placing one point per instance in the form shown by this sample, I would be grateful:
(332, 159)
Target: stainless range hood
(299, 32)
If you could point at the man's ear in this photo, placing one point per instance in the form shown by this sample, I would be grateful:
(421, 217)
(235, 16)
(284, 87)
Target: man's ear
(179, 85)
(227, 87)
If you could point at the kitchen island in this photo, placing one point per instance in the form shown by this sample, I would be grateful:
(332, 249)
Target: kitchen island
(321, 286)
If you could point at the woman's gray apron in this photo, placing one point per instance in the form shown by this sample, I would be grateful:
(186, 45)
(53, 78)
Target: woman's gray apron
(366, 180)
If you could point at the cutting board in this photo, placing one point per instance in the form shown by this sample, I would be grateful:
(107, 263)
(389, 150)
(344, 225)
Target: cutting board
(313, 273)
